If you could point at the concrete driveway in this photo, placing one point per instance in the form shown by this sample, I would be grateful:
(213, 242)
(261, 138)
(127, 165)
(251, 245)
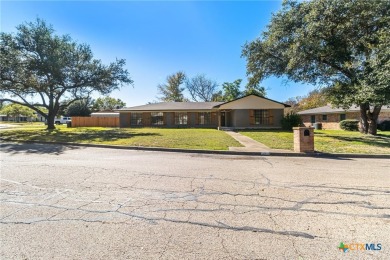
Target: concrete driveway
(64, 202)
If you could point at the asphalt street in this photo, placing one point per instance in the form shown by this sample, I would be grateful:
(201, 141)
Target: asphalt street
(69, 202)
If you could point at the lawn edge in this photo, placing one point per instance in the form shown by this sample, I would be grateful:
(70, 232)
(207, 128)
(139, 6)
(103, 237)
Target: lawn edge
(222, 152)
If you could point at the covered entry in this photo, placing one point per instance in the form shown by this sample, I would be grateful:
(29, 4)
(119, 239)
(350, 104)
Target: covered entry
(225, 118)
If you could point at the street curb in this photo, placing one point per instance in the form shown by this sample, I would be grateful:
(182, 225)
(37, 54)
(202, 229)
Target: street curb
(178, 150)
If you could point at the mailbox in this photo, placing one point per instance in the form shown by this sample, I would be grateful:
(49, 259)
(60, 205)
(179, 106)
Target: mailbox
(304, 139)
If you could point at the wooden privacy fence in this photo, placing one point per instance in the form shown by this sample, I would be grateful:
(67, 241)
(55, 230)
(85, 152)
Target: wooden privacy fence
(95, 121)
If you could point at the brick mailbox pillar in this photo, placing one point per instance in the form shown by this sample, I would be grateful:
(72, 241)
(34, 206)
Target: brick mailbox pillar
(304, 139)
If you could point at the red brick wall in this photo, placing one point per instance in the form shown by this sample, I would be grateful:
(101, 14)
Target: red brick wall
(334, 119)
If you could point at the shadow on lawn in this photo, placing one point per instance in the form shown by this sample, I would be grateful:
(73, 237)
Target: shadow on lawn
(377, 140)
(76, 136)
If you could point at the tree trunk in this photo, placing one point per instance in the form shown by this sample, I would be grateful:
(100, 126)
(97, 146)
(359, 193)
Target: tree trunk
(372, 128)
(363, 118)
(372, 120)
(50, 120)
(369, 119)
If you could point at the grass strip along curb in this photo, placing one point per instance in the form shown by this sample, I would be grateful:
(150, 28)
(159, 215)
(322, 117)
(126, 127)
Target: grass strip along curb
(161, 149)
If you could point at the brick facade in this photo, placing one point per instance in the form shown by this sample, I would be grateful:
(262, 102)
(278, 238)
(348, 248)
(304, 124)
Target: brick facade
(303, 139)
(333, 120)
(169, 120)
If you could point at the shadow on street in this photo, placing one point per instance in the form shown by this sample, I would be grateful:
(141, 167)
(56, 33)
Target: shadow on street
(17, 148)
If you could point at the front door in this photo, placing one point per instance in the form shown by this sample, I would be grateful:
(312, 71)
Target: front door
(223, 119)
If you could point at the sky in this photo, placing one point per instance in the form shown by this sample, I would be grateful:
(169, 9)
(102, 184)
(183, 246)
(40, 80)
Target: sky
(159, 38)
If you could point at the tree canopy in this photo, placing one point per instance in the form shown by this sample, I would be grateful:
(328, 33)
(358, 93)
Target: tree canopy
(78, 108)
(107, 103)
(40, 69)
(315, 98)
(231, 90)
(171, 90)
(16, 111)
(340, 44)
(202, 88)
(255, 89)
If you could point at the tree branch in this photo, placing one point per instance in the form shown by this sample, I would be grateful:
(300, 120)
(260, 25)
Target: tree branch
(26, 105)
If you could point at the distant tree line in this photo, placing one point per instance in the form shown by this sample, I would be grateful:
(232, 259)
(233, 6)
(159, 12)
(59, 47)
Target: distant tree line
(87, 106)
(203, 89)
(315, 98)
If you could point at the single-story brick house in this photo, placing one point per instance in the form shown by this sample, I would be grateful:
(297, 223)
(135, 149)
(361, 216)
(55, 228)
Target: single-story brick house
(105, 114)
(20, 118)
(251, 111)
(330, 117)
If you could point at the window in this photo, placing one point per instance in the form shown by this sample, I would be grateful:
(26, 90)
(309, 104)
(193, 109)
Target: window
(204, 118)
(261, 117)
(136, 119)
(342, 117)
(157, 118)
(181, 118)
(324, 117)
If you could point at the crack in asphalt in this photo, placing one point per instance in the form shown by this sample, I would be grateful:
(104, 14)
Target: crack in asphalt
(177, 221)
(199, 191)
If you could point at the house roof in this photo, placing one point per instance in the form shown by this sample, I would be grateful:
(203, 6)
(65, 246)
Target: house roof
(105, 112)
(164, 106)
(223, 103)
(175, 106)
(329, 110)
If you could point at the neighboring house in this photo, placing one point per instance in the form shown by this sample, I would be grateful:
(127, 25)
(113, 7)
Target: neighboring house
(19, 118)
(330, 117)
(105, 114)
(247, 112)
(39, 117)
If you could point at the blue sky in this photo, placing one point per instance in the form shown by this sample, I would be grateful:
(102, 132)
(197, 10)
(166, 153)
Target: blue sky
(158, 38)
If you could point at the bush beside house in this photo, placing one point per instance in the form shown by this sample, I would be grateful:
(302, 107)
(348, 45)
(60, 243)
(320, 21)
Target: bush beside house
(350, 125)
(384, 125)
(290, 120)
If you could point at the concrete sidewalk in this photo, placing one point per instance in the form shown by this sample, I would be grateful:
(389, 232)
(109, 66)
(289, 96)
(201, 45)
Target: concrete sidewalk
(249, 144)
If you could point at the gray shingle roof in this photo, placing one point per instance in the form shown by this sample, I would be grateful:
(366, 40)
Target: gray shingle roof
(329, 110)
(285, 105)
(175, 106)
(167, 106)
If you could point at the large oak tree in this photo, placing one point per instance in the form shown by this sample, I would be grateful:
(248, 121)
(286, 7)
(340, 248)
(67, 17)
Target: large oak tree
(40, 69)
(341, 44)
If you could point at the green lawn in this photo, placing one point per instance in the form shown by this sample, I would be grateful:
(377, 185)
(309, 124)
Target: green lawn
(22, 124)
(209, 139)
(327, 141)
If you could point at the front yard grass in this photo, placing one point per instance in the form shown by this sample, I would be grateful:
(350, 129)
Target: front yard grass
(22, 124)
(205, 139)
(327, 141)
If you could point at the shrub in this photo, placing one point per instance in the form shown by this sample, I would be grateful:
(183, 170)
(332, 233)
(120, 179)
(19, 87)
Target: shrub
(290, 120)
(384, 125)
(350, 125)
